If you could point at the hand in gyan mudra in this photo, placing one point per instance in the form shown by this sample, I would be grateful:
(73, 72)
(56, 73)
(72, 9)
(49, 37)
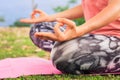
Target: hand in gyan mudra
(58, 35)
(42, 17)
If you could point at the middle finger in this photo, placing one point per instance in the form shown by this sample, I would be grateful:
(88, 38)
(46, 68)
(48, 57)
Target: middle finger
(47, 35)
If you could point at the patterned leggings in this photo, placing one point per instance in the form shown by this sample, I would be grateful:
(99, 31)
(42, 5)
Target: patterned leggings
(84, 55)
(87, 55)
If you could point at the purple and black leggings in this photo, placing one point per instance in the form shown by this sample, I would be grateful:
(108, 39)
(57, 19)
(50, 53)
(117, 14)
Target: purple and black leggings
(89, 54)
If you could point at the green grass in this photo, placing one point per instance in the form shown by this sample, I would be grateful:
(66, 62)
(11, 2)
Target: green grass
(15, 42)
(68, 77)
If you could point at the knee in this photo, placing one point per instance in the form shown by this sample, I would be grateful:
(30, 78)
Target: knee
(65, 66)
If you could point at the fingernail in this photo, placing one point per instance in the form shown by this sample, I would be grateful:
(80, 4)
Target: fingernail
(35, 35)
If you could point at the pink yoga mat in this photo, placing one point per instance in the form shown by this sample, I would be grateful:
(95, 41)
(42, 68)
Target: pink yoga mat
(15, 67)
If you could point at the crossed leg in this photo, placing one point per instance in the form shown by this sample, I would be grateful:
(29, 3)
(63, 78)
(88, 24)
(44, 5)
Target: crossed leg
(88, 54)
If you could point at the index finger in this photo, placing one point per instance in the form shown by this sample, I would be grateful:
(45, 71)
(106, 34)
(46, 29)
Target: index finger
(29, 20)
(46, 34)
(70, 23)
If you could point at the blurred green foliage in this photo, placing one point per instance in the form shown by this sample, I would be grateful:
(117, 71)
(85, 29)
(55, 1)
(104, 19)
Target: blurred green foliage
(61, 8)
(2, 19)
(17, 23)
(78, 21)
(73, 1)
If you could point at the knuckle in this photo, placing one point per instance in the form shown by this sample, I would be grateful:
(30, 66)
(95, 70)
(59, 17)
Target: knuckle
(61, 39)
(73, 23)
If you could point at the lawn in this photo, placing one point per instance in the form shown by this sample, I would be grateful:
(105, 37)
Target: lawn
(15, 42)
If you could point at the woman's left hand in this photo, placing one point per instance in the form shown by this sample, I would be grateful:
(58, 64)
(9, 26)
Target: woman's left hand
(69, 33)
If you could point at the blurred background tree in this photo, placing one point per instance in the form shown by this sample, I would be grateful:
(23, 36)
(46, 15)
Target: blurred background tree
(17, 23)
(2, 19)
(78, 21)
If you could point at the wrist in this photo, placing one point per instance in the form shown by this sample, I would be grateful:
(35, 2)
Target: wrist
(49, 19)
(79, 31)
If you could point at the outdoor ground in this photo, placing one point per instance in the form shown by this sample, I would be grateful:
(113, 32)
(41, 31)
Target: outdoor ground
(15, 42)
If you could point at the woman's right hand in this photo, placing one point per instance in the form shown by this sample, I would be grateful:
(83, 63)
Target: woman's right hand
(35, 19)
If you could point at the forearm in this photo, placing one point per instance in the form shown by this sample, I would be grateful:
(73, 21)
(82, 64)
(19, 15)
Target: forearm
(72, 13)
(106, 16)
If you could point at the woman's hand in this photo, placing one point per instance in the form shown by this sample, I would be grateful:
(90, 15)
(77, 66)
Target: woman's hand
(41, 18)
(69, 33)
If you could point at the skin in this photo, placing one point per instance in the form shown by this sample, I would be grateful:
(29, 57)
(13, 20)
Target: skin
(109, 14)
